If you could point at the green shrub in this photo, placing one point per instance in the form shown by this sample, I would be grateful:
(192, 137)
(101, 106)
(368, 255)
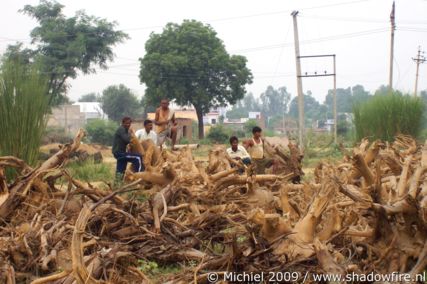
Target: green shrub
(239, 133)
(219, 134)
(24, 103)
(204, 141)
(251, 123)
(184, 141)
(101, 131)
(384, 116)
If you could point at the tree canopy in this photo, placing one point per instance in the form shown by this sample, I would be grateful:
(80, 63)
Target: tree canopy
(66, 45)
(91, 97)
(244, 106)
(119, 101)
(275, 102)
(189, 63)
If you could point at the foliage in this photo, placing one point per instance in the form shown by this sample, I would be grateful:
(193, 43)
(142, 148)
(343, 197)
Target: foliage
(346, 98)
(344, 101)
(313, 110)
(251, 123)
(384, 90)
(242, 107)
(218, 134)
(384, 116)
(101, 131)
(148, 107)
(119, 101)
(89, 171)
(189, 63)
(23, 109)
(66, 45)
(184, 141)
(239, 133)
(275, 102)
(153, 269)
(90, 98)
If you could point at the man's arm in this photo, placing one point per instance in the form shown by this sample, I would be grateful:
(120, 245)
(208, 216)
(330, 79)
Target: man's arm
(247, 144)
(157, 117)
(173, 119)
(245, 153)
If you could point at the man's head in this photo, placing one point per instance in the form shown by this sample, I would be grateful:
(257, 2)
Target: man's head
(126, 122)
(164, 103)
(234, 142)
(148, 125)
(256, 131)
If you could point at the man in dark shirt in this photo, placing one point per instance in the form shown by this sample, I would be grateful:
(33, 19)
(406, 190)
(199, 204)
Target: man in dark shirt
(121, 140)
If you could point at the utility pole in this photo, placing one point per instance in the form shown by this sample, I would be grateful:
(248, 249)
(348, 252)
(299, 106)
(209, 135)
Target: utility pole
(326, 74)
(393, 27)
(418, 60)
(299, 82)
(335, 101)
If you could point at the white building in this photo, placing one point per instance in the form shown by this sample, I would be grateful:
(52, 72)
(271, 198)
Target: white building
(91, 110)
(254, 115)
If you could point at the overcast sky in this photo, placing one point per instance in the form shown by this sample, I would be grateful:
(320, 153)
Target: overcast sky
(358, 32)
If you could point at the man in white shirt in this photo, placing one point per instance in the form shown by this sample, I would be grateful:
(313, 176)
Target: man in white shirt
(237, 151)
(147, 132)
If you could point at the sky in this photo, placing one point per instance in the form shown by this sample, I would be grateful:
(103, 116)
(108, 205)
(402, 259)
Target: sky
(357, 31)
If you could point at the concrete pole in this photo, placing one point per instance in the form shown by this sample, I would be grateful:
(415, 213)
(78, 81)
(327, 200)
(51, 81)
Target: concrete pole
(299, 83)
(335, 102)
(393, 27)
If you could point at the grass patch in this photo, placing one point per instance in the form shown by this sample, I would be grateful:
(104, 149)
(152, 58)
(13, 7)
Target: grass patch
(155, 270)
(89, 171)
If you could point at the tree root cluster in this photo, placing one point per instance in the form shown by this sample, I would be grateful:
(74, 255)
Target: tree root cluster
(366, 214)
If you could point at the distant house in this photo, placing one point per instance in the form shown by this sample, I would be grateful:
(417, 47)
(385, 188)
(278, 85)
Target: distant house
(329, 124)
(254, 115)
(91, 110)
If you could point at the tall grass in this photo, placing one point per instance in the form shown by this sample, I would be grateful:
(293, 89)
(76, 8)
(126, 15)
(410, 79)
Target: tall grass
(23, 109)
(89, 171)
(384, 116)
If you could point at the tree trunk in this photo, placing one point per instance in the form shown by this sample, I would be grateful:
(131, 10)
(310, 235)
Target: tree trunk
(200, 122)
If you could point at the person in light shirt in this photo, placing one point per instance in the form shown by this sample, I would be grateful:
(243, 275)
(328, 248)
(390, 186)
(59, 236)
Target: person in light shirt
(147, 132)
(237, 151)
(255, 147)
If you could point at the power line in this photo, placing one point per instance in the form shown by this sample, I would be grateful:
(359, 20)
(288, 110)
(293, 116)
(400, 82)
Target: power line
(328, 38)
(215, 20)
(365, 20)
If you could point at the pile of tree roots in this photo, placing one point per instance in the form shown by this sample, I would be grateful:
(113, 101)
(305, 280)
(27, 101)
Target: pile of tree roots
(366, 214)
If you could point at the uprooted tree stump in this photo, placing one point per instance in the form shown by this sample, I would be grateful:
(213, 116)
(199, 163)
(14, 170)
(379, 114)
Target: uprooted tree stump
(366, 214)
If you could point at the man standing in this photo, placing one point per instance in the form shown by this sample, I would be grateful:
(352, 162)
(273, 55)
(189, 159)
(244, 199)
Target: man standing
(147, 132)
(255, 147)
(122, 138)
(166, 124)
(238, 152)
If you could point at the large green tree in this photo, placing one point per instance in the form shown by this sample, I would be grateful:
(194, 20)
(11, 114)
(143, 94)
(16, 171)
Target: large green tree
(66, 45)
(119, 101)
(91, 97)
(275, 102)
(242, 107)
(344, 101)
(313, 110)
(189, 63)
(359, 94)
